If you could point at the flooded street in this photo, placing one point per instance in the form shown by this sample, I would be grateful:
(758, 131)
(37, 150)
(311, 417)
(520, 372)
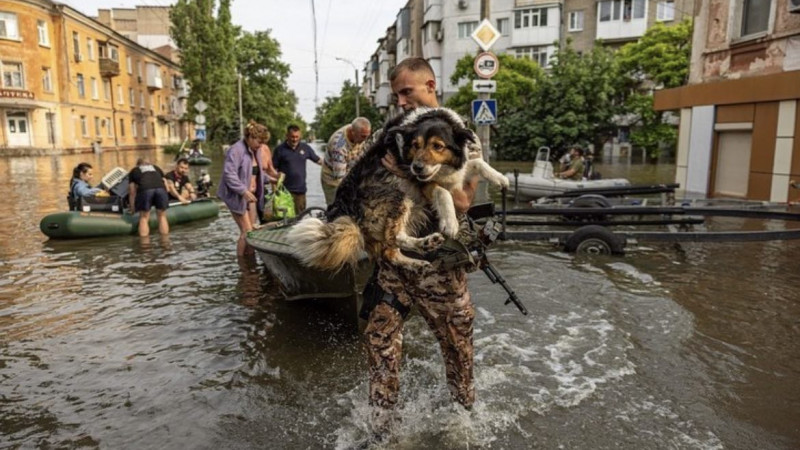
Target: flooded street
(169, 343)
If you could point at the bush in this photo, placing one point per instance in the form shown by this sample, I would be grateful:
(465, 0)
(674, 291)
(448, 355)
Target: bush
(172, 149)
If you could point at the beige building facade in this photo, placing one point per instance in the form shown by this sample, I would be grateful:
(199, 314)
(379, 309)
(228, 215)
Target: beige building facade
(71, 84)
(739, 121)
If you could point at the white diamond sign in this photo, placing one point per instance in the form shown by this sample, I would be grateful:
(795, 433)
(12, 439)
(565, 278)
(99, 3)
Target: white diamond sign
(200, 106)
(485, 35)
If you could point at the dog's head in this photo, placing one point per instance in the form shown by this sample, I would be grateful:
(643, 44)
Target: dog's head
(431, 146)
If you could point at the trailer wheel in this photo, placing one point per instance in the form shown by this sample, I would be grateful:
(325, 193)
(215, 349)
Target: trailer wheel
(589, 201)
(594, 239)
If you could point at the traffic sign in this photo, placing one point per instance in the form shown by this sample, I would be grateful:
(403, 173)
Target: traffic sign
(200, 106)
(484, 112)
(486, 65)
(485, 35)
(199, 127)
(199, 119)
(486, 86)
(200, 135)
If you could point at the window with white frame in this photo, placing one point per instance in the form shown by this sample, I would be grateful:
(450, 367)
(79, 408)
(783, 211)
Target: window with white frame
(93, 87)
(12, 75)
(109, 131)
(621, 10)
(132, 97)
(120, 98)
(575, 21)
(665, 11)
(527, 18)
(129, 65)
(465, 29)
(9, 27)
(81, 86)
(44, 36)
(141, 99)
(90, 48)
(106, 90)
(134, 131)
(96, 126)
(144, 129)
(502, 26)
(755, 16)
(47, 79)
(536, 53)
(139, 69)
(122, 127)
(84, 127)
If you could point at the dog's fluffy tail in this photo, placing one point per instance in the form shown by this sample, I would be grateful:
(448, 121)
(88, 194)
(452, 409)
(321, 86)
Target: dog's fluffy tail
(327, 245)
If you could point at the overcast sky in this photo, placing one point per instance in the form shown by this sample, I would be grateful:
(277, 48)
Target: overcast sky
(345, 28)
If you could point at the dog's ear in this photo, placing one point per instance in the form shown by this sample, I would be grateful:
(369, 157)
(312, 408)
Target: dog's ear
(463, 136)
(397, 140)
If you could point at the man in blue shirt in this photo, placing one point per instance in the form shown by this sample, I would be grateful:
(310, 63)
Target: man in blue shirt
(290, 158)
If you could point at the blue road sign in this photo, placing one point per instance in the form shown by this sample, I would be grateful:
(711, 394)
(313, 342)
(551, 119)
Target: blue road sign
(484, 112)
(200, 135)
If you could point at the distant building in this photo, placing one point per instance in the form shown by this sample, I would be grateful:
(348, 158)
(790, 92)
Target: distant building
(70, 83)
(148, 26)
(532, 29)
(739, 120)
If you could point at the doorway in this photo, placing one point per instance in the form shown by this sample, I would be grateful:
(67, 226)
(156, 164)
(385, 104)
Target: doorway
(733, 163)
(19, 134)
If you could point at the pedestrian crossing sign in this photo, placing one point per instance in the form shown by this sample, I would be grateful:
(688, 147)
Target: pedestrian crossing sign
(484, 112)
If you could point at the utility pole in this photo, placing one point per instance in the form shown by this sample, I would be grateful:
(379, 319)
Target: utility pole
(241, 119)
(358, 89)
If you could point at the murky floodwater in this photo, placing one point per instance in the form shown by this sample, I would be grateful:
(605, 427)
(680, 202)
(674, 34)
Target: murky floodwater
(119, 343)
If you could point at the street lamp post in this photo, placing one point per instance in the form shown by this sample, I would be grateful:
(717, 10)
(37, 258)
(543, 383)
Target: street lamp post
(358, 90)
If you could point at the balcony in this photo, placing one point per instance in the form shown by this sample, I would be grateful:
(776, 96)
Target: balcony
(109, 68)
(615, 30)
(182, 89)
(433, 11)
(154, 81)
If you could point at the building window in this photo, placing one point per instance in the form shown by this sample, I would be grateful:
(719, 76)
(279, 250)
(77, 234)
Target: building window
(129, 65)
(139, 70)
(108, 127)
(84, 127)
(90, 48)
(109, 52)
(132, 97)
(465, 29)
(106, 90)
(537, 53)
(665, 11)
(120, 99)
(12, 75)
(93, 86)
(47, 79)
(133, 128)
(141, 99)
(81, 86)
(502, 26)
(576, 21)
(615, 10)
(527, 18)
(122, 127)
(144, 129)
(755, 16)
(8, 25)
(96, 126)
(76, 45)
(44, 36)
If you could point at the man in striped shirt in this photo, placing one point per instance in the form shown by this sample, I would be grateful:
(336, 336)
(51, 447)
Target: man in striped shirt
(344, 148)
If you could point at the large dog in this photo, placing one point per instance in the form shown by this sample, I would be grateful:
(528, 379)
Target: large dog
(378, 212)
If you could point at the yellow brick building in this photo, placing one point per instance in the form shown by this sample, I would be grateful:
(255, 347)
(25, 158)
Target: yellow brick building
(70, 83)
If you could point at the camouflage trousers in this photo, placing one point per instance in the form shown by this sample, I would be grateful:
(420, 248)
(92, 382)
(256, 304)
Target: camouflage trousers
(442, 299)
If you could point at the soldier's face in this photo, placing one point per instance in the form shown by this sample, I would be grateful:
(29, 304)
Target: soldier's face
(414, 89)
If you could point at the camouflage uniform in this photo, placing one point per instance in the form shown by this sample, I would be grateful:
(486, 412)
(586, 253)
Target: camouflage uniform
(442, 298)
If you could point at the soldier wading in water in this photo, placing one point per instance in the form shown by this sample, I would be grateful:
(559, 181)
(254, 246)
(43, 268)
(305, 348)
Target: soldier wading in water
(440, 293)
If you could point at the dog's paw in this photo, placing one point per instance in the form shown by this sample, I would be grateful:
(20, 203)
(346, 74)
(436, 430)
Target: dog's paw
(500, 181)
(432, 242)
(449, 226)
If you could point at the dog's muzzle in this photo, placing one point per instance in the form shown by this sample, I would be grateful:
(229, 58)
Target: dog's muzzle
(423, 172)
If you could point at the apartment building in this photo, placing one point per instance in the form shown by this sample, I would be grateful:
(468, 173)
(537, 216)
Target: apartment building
(148, 26)
(739, 130)
(529, 28)
(70, 84)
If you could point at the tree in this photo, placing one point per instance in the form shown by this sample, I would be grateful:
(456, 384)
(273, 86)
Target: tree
(208, 64)
(659, 60)
(335, 112)
(265, 95)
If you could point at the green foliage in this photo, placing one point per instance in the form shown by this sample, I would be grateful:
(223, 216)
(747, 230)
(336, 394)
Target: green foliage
(659, 60)
(207, 62)
(335, 112)
(172, 149)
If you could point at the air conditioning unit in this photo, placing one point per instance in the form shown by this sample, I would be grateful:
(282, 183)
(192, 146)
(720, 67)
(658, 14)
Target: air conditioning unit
(794, 6)
(440, 35)
(78, 57)
(463, 4)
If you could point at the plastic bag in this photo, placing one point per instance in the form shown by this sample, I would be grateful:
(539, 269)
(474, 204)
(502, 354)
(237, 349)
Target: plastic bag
(281, 202)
